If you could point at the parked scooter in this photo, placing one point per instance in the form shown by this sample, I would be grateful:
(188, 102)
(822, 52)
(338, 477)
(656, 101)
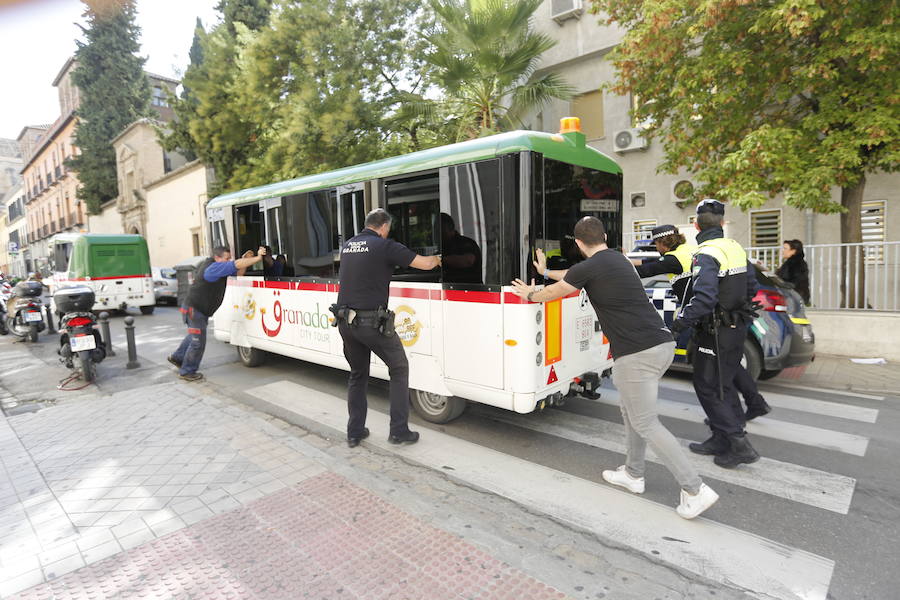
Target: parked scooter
(25, 310)
(80, 345)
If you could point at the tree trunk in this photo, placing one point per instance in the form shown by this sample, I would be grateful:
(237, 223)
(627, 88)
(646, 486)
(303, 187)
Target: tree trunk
(853, 266)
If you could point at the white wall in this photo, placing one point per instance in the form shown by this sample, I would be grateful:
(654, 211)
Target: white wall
(175, 211)
(857, 334)
(108, 221)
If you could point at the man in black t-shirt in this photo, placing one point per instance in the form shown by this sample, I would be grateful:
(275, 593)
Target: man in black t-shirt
(367, 264)
(642, 348)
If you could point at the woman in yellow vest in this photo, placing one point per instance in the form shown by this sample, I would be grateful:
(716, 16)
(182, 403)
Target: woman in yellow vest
(675, 257)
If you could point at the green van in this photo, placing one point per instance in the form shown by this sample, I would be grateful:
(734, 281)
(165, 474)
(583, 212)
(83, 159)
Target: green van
(116, 267)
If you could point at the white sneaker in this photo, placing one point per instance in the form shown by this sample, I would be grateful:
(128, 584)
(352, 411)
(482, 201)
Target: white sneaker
(693, 505)
(621, 478)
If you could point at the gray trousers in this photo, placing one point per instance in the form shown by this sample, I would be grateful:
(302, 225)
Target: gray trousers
(637, 376)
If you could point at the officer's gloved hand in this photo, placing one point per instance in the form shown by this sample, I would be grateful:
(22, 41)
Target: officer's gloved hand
(755, 307)
(677, 327)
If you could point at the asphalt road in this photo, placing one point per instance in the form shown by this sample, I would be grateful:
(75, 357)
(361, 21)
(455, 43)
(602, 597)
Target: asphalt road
(828, 486)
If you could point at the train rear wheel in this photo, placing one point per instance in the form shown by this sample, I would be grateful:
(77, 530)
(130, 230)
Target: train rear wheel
(435, 408)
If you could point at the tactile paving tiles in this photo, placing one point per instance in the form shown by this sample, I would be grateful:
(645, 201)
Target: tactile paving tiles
(324, 538)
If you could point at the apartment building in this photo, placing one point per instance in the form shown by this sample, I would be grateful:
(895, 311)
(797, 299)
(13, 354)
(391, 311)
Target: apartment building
(50, 187)
(582, 57)
(14, 259)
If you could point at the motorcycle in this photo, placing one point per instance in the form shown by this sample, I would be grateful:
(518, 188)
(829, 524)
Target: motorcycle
(80, 345)
(25, 310)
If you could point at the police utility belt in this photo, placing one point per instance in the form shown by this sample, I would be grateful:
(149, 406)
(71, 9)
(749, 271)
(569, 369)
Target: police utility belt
(729, 318)
(381, 318)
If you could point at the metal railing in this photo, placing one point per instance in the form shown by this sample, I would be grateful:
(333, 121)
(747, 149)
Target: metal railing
(861, 276)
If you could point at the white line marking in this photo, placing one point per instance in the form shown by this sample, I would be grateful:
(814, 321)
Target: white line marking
(822, 390)
(819, 407)
(786, 480)
(712, 550)
(828, 439)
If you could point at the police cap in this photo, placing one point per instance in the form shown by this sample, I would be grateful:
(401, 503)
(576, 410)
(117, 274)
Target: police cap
(711, 205)
(663, 231)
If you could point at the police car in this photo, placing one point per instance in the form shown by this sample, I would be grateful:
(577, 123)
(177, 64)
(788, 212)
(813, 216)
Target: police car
(779, 338)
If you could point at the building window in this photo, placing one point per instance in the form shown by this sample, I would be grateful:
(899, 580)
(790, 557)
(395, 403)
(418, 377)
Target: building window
(642, 227)
(765, 228)
(589, 108)
(873, 223)
(159, 97)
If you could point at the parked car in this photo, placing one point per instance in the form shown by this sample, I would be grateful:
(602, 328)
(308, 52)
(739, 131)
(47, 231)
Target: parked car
(780, 337)
(165, 285)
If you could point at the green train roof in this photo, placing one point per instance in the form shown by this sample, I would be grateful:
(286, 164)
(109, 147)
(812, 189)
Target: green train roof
(97, 238)
(569, 148)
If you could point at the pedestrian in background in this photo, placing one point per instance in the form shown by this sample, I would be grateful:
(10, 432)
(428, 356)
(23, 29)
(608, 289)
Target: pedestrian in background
(794, 269)
(642, 348)
(203, 299)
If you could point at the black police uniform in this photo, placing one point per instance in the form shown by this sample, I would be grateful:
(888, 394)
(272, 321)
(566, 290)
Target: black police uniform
(718, 307)
(677, 265)
(367, 263)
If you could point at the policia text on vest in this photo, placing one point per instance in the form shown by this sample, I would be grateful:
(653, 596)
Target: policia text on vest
(718, 307)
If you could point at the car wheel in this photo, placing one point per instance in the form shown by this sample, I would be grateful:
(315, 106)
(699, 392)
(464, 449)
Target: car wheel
(251, 357)
(752, 359)
(147, 310)
(436, 408)
(765, 374)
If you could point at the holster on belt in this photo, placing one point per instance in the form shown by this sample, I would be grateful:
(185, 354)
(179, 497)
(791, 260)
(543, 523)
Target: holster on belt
(385, 320)
(342, 313)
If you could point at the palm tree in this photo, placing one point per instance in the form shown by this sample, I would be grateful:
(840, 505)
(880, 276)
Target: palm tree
(484, 55)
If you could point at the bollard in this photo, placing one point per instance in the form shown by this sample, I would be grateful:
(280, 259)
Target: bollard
(132, 349)
(50, 328)
(104, 332)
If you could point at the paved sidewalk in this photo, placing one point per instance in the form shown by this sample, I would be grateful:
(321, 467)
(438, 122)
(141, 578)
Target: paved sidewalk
(840, 373)
(165, 492)
(322, 538)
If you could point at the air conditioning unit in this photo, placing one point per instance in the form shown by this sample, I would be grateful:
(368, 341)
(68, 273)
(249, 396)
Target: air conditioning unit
(628, 140)
(683, 190)
(561, 10)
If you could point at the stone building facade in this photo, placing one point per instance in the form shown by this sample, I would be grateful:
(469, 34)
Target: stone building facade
(176, 215)
(581, 56)
(140, 159)
(14, 259)
(50, 187)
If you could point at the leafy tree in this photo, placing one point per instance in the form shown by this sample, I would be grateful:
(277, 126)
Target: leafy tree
(114, 92)
(485, 54)
(768, 97)
(177, 135)
(322, 84)
(254, 14)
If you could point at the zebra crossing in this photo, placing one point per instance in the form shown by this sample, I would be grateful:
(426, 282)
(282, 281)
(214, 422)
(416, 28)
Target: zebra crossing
(714, 550)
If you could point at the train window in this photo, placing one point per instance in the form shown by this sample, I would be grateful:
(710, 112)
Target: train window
(415, 205)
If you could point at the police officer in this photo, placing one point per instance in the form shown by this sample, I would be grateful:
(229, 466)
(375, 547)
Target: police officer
(675, 260)
(718, 308)
(675, 256)
(367, 263)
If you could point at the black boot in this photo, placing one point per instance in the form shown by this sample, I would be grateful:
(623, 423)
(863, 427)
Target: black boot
(758, 409)
(717, 444)
(739, 452)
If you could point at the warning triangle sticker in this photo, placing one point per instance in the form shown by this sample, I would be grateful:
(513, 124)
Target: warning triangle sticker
(553, 378)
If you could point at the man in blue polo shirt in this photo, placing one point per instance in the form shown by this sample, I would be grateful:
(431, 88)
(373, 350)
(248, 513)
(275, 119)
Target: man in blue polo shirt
(203, 299)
